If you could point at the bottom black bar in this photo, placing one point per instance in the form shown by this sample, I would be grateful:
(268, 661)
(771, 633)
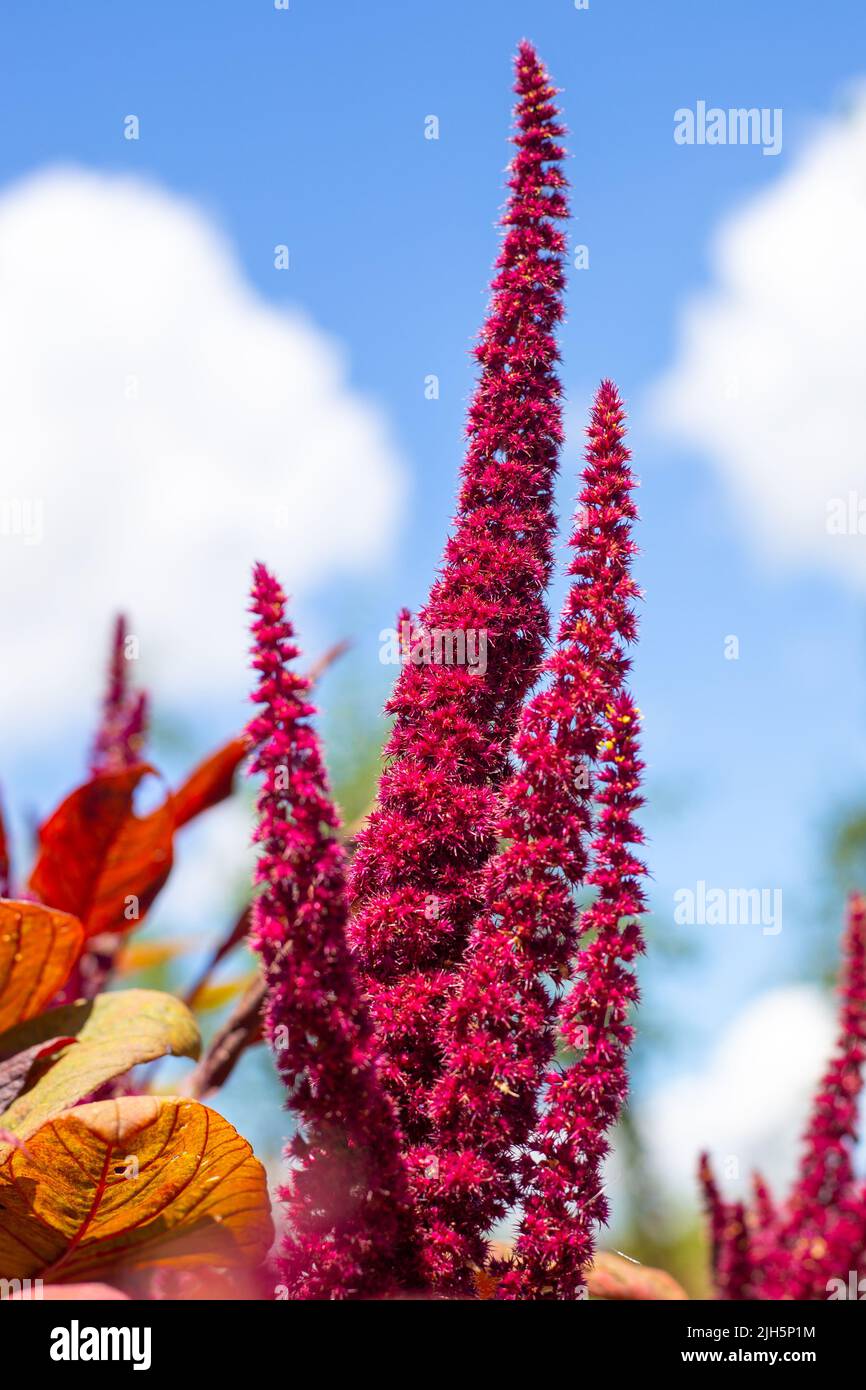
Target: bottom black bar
(82, 1338)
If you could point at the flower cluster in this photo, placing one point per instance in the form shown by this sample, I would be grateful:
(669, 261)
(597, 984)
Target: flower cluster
(416, 1031)
(416, 877)
(431, 1205)
(499, 1031)
(349, 1216)
(798, 1248)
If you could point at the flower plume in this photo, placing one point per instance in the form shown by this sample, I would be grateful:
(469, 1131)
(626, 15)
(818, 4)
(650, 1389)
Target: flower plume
(498, 1034)
(350, 1229)
(417, 874)
(796, 1249)
(562, 1192)
(123, 727)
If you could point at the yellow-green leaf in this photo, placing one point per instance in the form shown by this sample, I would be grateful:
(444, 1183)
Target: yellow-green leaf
(126, 1186)
(113, 1033)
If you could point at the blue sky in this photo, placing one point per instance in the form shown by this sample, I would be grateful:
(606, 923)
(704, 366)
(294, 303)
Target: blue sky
(306, 128)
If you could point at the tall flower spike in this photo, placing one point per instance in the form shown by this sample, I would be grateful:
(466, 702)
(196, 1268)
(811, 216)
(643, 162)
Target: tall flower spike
(560, 1177)
(122, 730)
(564, 1201)
(416, 875)
(350, 1229)
(497, 1036)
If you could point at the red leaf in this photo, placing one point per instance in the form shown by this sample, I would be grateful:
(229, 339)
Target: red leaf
(95, 853)
(211, 782)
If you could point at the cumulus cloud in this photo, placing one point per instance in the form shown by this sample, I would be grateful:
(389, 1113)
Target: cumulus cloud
(161, 426)
(750, 1101)
(767, 379)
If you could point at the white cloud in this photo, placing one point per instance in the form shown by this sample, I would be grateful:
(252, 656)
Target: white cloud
(173, 426)
(751, 1099)
(768, 375)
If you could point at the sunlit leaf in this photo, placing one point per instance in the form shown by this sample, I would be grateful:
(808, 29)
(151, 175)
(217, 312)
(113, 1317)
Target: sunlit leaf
(112, 1033)
(38, 948)
(613, 1277)
(98, 859)
(211, 782)
(131, 1185)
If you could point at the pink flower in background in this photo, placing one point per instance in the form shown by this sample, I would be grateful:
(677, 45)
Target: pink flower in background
(818, 1234)
(123, 729)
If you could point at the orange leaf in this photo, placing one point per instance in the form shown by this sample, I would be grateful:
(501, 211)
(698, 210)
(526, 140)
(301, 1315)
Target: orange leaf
(38, 948)
(95, 853)
(133, 1185)
(211, 782)
(615, 1278)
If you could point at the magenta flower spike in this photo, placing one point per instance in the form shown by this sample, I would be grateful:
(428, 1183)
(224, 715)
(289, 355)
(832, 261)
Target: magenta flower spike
(763, 1205)
(564, 1201)
(825, 1217)
(826, 1170)
(350, 1228)
(123, 728)
(731, 1255)
(498, 1034)
(416, 877)
(796, 1249)
(716, 1211)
